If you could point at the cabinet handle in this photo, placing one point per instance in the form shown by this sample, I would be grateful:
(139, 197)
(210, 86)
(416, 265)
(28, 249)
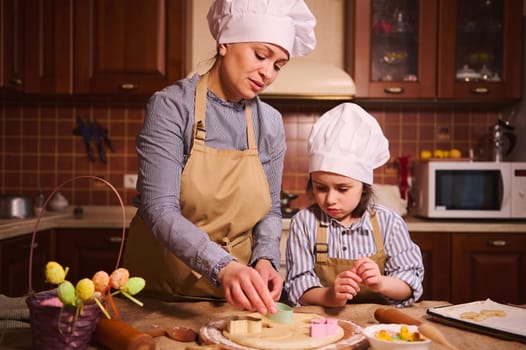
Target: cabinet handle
(498, 243)
(28, 246)
(115, 239)
(16, 81)
(129, 86)
(394, 90)
(480, 90)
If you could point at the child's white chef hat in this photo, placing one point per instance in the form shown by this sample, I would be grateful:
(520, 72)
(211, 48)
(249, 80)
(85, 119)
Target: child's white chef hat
(287, 23)
(348, 141)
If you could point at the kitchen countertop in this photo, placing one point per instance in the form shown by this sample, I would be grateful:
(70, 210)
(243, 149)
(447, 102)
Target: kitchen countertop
(194, 315)
(110, 217)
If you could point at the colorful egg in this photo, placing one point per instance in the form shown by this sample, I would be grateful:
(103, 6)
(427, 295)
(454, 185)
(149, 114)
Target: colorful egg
(101, 281)
(134, 285)
(55, 273)
(119, 278)
(66, 293)
(85, 289)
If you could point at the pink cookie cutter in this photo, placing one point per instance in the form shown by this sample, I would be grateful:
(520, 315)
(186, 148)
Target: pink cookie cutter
(322, 327)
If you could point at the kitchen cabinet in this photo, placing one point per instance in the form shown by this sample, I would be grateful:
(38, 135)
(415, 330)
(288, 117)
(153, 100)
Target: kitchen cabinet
(14, 263)
(437, 264)
(37, 46)
(437, 49)
(465, 267)
(128, 47)
(86, 251)
(488, 265)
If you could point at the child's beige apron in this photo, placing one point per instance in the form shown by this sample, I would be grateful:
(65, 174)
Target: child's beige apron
(224, 192)
(327, 268)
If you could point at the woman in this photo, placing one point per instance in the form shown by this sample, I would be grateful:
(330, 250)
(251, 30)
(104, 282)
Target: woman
(345, 248)
(210, 164)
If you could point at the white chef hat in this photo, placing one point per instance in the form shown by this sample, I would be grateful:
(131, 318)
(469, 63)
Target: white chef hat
(348, 141)
(287, 23)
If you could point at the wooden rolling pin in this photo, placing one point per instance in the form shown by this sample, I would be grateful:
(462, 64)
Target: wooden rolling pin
(392, 315)
(118, 335)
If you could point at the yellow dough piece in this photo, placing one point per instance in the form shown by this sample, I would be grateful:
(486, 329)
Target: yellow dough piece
(497, 313)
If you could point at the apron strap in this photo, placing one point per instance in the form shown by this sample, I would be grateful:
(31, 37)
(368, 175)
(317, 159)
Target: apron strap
(199, 130)
(321, 248)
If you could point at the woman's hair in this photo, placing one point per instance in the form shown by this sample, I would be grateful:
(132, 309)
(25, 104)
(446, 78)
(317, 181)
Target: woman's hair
(365, 199)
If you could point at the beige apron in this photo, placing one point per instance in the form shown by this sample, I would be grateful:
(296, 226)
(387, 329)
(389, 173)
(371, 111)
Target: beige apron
(327, 268)
(224, 192)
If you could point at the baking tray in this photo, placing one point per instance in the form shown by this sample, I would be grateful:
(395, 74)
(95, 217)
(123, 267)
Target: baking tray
(509, 327)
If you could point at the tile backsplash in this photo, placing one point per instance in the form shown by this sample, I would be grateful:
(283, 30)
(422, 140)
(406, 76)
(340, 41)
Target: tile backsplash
(39, 150)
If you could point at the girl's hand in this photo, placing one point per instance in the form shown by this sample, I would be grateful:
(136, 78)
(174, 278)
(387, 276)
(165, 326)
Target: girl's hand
(346, 286)
(369, 272)
(244, 288)
(270, 277)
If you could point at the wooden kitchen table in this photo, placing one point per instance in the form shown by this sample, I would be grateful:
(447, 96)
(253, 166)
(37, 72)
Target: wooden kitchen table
(156, 314)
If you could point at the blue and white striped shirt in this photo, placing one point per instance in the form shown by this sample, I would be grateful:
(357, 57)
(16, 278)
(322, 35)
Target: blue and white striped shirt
(163, 145)
(404, 259)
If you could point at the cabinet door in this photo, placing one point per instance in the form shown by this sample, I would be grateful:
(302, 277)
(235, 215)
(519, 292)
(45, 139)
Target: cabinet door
(128, 46)
(48, 47)
(14, 263)
(435, 247)
(37, 46)
(489, 265)
(395, 48)
(480, 49)
(86, 251)
(11, 45)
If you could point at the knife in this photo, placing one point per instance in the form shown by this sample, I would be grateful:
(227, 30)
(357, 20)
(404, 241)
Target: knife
(86, 135)
(98, 140)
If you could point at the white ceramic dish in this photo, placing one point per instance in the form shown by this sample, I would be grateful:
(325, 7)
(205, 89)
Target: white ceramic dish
(380, 344)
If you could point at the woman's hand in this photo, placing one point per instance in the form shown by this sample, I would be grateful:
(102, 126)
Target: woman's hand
(245, 288)
(369, 272)
(271, 277)
(346, 286)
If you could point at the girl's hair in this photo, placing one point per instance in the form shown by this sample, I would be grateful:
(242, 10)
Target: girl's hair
(363, 204)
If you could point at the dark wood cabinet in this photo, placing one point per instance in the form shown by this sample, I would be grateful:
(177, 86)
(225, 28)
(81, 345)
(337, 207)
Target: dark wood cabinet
(488, 265)
(128, 47)
(86, 251)
(37, 46)
(11, 45)
(14, 263)
(437, 264)
(436, 49)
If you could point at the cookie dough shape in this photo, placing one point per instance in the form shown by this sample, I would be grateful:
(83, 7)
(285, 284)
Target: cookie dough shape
(279, 336)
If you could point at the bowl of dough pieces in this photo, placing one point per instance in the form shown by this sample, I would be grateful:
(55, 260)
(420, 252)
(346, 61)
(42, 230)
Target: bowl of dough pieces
(395, 337)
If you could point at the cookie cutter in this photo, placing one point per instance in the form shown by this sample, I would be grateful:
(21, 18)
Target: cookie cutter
(282, 315)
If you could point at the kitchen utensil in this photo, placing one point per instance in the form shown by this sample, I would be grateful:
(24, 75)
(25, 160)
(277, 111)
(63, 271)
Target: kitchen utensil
(98, 140)
(83, 130)
(58, 202)
(116, 335)
(16, 207)
(104, 133)
(392, 315)
(502, 139)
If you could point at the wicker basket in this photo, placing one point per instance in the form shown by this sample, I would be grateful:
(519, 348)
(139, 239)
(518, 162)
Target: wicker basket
(62, 328)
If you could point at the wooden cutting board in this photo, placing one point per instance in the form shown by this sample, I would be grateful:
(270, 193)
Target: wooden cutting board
(292, 335)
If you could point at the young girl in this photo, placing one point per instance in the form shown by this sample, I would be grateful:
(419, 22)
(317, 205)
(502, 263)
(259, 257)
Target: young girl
(345, 248)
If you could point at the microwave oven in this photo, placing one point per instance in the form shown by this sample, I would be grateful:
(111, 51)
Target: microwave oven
(464, 189)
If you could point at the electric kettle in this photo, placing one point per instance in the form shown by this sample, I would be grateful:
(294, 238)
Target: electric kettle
(502, 140)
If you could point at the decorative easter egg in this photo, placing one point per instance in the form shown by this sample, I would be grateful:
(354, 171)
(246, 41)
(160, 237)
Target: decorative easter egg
(119, 278)
(101, 280)
(85, 289)
(55, 273)
(66, 293)
(134, 285)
